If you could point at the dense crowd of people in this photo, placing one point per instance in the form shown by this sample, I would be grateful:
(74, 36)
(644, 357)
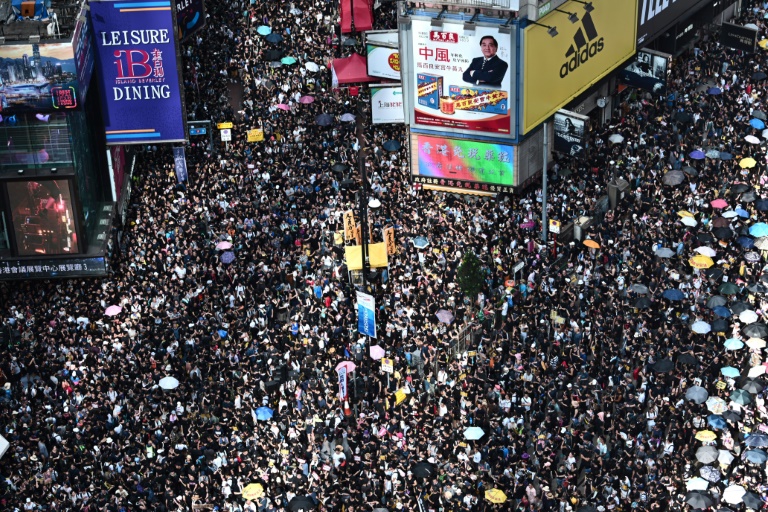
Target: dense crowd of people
(615, 375)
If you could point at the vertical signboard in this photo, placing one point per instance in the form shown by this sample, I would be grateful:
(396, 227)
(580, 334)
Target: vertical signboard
(190, 17)
(738, 37)
(82, 44)
(461, 80)
(117, 164)
(138, 71)
(387, 104)
(648, 71)
(180, 164)
(366, 314)
(570, 133)
(342, 373)
(655, 17)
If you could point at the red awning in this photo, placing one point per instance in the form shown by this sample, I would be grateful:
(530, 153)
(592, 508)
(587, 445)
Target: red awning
(362, 12)
(352, 70)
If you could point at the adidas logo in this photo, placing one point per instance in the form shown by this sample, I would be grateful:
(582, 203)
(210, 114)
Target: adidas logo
(586, 43)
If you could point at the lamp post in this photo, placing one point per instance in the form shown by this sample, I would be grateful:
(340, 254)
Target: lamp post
(365, 202)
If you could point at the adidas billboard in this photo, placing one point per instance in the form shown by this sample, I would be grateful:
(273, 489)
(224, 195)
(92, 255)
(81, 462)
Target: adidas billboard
(557, 69)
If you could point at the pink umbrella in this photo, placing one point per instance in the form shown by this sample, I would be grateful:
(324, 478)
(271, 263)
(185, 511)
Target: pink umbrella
(223, 245)
(377, 352)
(349, 365)
(113, 310)
(719, 203)
(283, 106)
(306, 99)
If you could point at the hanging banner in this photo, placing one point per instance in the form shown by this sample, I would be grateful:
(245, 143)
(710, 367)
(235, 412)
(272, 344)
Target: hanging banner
(139, 75)
(570, 133)
(389, 240)
(342, 372)
(349, 225)
(180, 163)
(366, 314)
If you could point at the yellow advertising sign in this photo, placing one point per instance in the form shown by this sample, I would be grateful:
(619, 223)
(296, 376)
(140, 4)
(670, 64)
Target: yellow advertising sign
(377, 256)
(557, 69)
(349, 225)
(255, 135)
(224, 126)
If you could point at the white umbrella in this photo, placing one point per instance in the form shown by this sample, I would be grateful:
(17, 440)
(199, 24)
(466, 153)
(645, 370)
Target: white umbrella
(733, 494)
(4, 445)
(616, 138)
(701, 327)
(689, 221)
(696, 484)
(748, 316)
(765, 133)
(312, 66)
(169, 383)
(706, 251)
(725, 457)
(756, 343)
(752, 26)
(756, 371)
(730, 214)
(752, 139)
(473, 433)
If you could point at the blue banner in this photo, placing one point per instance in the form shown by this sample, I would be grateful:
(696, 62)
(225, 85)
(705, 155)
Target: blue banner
(366, 314)
(180, 163)
(140, 79)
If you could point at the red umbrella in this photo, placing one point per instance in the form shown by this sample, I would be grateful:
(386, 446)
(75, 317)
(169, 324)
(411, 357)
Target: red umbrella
(719, 203)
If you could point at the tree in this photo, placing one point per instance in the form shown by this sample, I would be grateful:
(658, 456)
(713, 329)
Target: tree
(470, 276)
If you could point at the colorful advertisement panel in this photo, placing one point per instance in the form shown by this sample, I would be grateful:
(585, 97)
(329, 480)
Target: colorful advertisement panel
(462, 79)
(657, 16)
(139, 76)
(387, 105)
(82, 42)
(738, 37)
(557, 69)
(38, 78)
(366, 314)
(462, 164)
(648, 72)
(571, 131)
(190, 17)
(43, 217)
(383, 62)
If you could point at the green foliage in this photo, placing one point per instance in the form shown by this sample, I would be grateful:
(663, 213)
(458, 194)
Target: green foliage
(470, 276)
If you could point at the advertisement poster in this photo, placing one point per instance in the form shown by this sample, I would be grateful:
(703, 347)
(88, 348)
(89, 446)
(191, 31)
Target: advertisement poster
(38, 78)
(657, 16)
(738, 37)
(570, 133)
(139, 75)
(82, 42)
(383, 62)
(190, 17)
(558, 69)
(460, 163)
(648, 72)
(387, 105)
(366, 314)
(462, 78)
(342, 373)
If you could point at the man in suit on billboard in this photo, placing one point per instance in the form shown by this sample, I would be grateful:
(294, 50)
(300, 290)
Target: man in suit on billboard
(488, 70)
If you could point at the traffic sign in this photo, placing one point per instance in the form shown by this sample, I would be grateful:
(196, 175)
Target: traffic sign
(387, 365)
(554, 226)
(224, 126)
(226, 135)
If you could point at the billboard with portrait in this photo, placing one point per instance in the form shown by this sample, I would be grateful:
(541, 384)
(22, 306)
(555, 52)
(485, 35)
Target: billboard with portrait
(462, 164)
(190, 17)
(139, 75)
(387, 104)
(558, 69)
(43, 217)
(383, 62)
(648, 71)
(571, 131)
(38, 78)
(461, 80)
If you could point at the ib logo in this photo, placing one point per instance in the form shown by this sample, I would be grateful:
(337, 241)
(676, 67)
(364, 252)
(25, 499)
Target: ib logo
(132, 64)
(585, 45)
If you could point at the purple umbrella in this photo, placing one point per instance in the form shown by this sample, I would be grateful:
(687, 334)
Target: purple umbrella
(697, 155)
(228, 257)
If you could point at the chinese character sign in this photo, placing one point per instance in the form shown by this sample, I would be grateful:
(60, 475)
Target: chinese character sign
(462, 78)
(464, 163)
(137, 54)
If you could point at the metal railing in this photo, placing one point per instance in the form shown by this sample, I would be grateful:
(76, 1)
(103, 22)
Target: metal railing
(499, 4)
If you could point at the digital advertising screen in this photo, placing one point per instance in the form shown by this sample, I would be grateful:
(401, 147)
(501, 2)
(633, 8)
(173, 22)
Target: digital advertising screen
(462, 164)
(38, 77)
(138, 71)
(648, 71)
(190, 16)
(462, 80)
(43, 217)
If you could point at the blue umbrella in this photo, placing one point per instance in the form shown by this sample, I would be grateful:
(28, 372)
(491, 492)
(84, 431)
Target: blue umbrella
(726, 156)
(228, 257)
(733, 344)
(756, 123)
(222, 333)
(730, 371)
(264, 30)
(674, 294)
(274, 38)
(714, 91)
(392, 145)
(697, 155)
(741, 212)
(746, 242)
(264, 413)
(759, 230)
(723, 311)
(716, 421)
(324, 120)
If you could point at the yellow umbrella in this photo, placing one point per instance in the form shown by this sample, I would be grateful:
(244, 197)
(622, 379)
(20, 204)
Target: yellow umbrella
(706, 435)
(701, 261)
(592, 244)
(763, 44)
(747, 163)
(253, 491)
(495, 496)
(685, 213)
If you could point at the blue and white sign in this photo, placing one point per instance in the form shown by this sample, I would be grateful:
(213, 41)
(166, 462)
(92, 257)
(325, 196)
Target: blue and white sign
(366, 314)
(180, 164)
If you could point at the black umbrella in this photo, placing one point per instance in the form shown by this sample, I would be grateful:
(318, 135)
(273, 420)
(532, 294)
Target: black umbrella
(728, 289)
(690, 171)
(752, 386)
(273, 55)
(339, 167)
(301, 503)
(423, 470)
(723, 233)
(716, 300)
(757, 288)
(739, 188)
(758, 75)
(683, 117)
(714, 273)
(274, 38)
(643, 303)
(756, 330)
(752, 500)
(739, 307)
(588, 508)
(720, 325)
(705, 238)
(350, 41)
(663, 365)
(324, 120)
(698, 499)
(749, 197)
(731, 415)
(392, 145)
(673, 178)
(762, 205)
(687, 359)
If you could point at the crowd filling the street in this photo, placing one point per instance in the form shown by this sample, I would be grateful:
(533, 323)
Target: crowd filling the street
(623, 371)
